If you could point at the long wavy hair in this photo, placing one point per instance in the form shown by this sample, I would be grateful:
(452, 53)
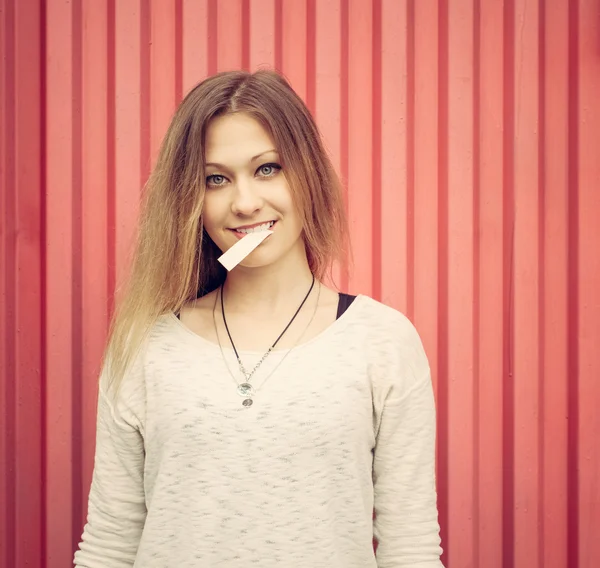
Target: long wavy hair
(175, 261)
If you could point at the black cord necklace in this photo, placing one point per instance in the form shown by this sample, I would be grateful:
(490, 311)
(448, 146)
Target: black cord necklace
(246, 389)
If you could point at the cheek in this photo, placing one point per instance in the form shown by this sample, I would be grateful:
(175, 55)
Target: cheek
(294, 215)
(210, 225)
(286, 203)
(211, 212)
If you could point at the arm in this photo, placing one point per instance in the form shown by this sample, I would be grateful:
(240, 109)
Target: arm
(116, 510)
(406, 523)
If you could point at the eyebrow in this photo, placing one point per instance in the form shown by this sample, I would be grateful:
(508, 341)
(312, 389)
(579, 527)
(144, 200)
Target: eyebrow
(253, 159)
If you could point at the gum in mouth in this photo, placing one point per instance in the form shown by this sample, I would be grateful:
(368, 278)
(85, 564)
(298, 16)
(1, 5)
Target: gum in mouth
(239, 251)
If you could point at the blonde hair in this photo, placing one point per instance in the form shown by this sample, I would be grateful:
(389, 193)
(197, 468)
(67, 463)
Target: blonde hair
(175, 261)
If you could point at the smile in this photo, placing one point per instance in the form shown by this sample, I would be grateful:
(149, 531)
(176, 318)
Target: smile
(254, 228)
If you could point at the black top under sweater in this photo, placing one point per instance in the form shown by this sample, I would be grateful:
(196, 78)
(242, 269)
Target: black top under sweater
(343, 304)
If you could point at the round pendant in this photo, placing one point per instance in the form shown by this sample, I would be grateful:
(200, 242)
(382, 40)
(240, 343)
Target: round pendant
(245, 390)
(248, 402)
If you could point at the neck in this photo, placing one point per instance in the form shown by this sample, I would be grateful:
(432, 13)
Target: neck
(266, 290)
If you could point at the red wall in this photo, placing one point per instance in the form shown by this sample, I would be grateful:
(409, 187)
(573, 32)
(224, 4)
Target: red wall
(467, 132)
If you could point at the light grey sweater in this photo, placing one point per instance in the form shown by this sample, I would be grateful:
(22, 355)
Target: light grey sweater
(185, 476)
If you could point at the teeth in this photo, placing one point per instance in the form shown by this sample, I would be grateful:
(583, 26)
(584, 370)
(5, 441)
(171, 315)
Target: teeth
(264, 227)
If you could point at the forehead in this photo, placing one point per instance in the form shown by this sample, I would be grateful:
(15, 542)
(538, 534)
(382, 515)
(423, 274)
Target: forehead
(234, 138)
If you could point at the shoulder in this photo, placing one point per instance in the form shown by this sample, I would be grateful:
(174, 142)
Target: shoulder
(126, 391)
(150, 344)
(395, 352)
(376, 310)
(386, 325)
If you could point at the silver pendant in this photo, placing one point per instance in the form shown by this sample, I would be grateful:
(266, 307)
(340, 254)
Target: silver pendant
(248, 402)
(245, 390)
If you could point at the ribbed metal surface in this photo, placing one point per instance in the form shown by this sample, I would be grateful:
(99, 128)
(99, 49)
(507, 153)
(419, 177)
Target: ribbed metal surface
(467, 132)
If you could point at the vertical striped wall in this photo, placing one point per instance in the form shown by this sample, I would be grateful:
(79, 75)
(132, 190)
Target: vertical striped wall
(467, 132)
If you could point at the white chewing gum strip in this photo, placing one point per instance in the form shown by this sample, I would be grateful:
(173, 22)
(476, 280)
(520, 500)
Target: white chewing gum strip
(240, 250)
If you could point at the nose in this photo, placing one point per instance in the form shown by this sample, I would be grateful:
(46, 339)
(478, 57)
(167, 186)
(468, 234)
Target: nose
(246, 199)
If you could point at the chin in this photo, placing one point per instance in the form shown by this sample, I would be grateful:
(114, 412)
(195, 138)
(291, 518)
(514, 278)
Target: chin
(257, 262)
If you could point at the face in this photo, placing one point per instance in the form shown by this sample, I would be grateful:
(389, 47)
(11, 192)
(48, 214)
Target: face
(246, 190)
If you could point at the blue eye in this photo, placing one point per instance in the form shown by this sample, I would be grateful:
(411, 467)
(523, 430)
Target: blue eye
(268, 170)
(215, 180)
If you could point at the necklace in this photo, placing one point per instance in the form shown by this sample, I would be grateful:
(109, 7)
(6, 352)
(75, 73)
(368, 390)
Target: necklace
(246, 389)
(248, 401)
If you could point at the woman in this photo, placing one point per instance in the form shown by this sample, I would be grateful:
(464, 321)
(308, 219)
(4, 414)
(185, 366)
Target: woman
(256, 417)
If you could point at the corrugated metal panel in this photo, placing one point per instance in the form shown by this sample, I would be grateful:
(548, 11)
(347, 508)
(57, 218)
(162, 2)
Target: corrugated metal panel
(467, 133)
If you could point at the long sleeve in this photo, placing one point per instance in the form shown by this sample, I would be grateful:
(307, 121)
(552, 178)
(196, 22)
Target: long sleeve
(186, 476)
(116, 509)
(406, 523)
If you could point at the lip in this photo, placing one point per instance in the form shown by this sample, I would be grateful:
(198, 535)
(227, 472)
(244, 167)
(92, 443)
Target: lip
(241, 235)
